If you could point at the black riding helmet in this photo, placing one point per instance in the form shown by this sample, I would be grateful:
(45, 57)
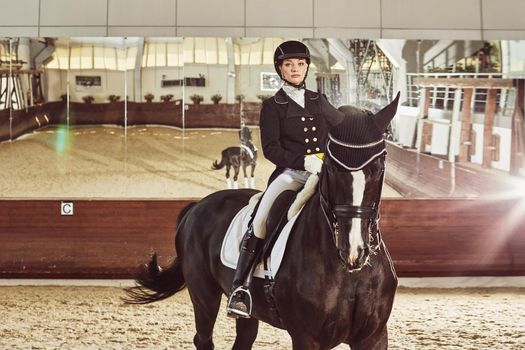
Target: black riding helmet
(290, 49)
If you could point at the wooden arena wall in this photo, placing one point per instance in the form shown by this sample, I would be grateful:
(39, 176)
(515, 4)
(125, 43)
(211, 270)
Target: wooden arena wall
(14, 123)
(110, 238)
(419, 175)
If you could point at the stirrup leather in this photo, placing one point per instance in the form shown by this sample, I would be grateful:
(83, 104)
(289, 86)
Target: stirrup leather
(232, 311)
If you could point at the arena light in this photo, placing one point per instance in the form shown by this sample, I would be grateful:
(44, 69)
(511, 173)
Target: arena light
(518, 184)
(515, 189)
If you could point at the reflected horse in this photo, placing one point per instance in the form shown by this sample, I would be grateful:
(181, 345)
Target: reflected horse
(245, 155)
(336, 283)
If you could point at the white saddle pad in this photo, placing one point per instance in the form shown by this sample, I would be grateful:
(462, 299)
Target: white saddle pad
(235, 233)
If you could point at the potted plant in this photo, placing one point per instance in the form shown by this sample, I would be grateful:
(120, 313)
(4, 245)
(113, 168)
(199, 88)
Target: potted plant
(166, 98)
(196, 98)
(239, 98)
(263, 97)
(88, 99)
(113, 98)
(216, 98)
(149, 97)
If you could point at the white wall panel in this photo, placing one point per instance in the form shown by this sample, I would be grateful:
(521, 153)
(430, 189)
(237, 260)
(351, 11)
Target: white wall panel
(141, 31)
(210, 31)
(277, 32)
(504, 14)
(73, 13)
(504, 34)
(279, 13)
(347, 13)
(210, 13)
(73, 31)
(430, 14)
(429, 34)
(367, 19)
(18, 31)
(344, 33)
(139, 12)
(19, 13)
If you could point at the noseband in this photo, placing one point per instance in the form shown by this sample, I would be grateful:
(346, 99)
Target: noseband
(345, 212)
(351, 212)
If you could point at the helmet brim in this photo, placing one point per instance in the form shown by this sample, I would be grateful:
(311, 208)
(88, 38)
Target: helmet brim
(293, 55)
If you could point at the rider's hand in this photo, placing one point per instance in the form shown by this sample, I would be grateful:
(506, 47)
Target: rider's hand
(313, 164)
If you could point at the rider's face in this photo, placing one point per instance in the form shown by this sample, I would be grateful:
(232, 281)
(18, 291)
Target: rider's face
(294, 70)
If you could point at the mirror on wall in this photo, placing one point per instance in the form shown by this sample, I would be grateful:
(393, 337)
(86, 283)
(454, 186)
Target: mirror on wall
(154, 136)
(6, 81)
(145, 117)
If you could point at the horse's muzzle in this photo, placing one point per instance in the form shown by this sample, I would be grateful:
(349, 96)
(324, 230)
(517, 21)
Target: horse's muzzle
(357, 262)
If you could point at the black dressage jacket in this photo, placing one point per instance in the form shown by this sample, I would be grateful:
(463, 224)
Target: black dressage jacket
(289, 131)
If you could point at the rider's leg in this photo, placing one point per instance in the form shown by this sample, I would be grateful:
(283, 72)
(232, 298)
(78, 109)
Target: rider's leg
(239, 301)
(250, 247)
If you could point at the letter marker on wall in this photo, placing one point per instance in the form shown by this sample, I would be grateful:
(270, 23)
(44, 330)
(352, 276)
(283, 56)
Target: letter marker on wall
(66, 208)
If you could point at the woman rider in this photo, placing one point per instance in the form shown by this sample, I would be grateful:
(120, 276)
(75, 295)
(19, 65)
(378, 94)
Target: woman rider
(294, 124)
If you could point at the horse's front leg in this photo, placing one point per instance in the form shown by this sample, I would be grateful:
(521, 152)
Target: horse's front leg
(246, 184)
(376, 341)
(235, 177)
(228, 181)
(252, 176)
(246, 333)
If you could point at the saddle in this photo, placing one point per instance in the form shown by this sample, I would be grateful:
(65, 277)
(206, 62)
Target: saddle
(278, 228)
(277, 219)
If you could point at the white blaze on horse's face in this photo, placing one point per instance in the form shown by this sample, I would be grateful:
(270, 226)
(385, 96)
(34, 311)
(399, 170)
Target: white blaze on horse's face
(356, 240)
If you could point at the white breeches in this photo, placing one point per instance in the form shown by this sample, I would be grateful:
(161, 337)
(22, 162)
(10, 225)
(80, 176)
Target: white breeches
(287, 180)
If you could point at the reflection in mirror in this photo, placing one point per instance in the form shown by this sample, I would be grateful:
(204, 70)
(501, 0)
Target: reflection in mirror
(89, 140)
(16, 85)
(154, 117)
(256, 80)
(6, 59)
(149, 117)
(209, 118)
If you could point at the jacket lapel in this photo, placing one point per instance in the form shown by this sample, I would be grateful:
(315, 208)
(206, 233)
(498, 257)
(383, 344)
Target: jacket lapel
(293, 110)
(311, 103)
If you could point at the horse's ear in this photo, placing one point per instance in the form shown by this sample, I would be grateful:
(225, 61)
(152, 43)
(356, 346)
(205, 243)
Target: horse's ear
(384, 116)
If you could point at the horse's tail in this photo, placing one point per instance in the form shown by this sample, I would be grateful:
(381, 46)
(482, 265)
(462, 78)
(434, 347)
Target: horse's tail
(217, 166)
(154, 283)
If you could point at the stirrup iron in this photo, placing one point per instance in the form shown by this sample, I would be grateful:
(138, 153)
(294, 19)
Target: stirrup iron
(232, 312)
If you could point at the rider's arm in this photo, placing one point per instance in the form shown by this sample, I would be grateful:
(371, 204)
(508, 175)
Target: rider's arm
(270, 127)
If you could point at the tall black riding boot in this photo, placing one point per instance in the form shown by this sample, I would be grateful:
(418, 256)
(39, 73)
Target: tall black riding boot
(239, 302)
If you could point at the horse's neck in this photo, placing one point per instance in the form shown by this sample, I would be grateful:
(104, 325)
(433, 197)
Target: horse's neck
(249, 144)
(316, 219)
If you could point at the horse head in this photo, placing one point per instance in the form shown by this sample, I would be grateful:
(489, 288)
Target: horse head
(351, 182)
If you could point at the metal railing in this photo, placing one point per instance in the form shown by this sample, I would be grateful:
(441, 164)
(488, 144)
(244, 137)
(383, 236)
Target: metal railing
(443, 97)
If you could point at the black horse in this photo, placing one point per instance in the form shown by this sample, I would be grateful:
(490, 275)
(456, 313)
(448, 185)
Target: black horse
(245, 155)
(336, 284)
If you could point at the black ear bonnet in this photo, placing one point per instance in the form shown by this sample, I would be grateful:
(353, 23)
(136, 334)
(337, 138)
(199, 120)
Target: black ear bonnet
(358, 139)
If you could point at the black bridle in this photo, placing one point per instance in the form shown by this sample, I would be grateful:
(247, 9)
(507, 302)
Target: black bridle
(344, 212)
